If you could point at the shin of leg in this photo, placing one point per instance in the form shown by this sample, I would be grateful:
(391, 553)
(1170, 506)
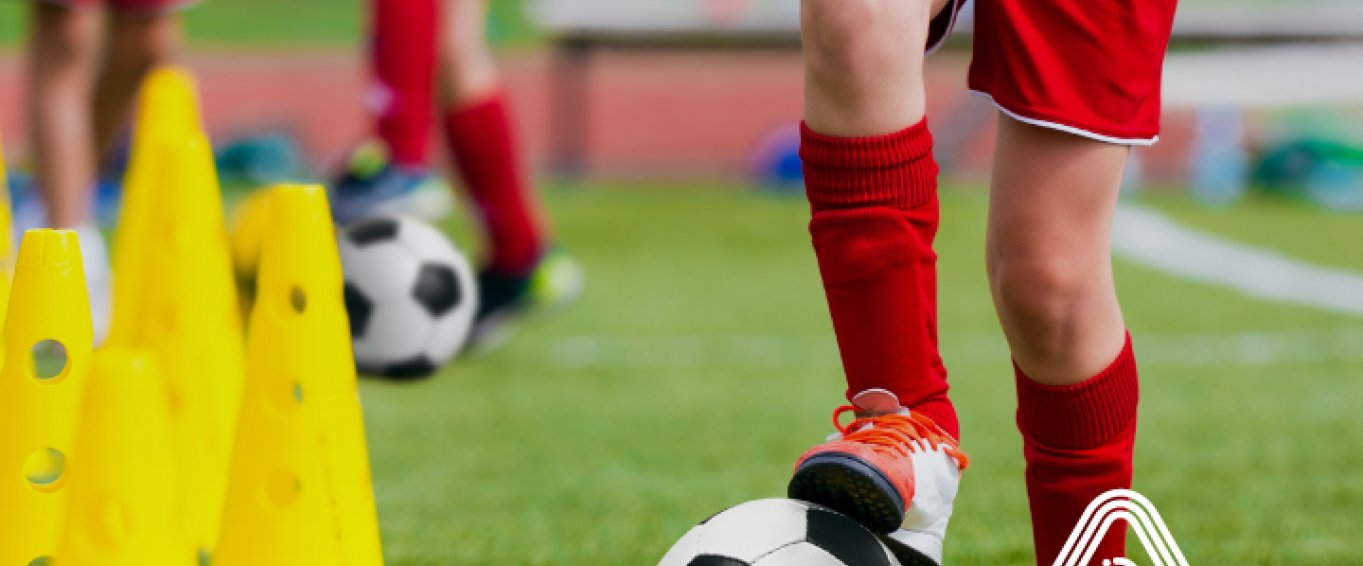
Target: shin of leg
(63, 51)
(864, 64)
(467, 70)
(137, 44)
(1048, 257)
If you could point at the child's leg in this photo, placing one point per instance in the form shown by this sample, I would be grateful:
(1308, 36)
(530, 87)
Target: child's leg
(1049, 267)
(872, 186)
(467, 72)
(1049, 261)
(138, 41)
(404, 58)
(1075, 81)
(480, 134)
(63, 57)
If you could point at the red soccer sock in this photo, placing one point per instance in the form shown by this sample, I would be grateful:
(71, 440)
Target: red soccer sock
(480, 136)
(404, 53)
(875, 214)
(1078, 441)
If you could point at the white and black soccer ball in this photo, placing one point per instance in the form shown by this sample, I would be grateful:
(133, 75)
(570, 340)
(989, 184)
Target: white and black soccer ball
(779, 532)
(410, 293)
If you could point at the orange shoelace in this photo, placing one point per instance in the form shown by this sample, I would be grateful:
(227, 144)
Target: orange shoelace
(900, 434)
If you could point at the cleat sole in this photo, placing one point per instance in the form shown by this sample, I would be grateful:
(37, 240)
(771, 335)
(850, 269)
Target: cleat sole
(849, 485)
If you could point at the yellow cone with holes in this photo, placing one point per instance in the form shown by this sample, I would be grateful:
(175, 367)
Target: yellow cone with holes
(48, 336)
(300, 490)
(125, 490)
(167, 110)
(190, 320)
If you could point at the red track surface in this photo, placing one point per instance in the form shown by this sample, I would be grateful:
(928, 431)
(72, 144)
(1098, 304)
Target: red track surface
(686, 114)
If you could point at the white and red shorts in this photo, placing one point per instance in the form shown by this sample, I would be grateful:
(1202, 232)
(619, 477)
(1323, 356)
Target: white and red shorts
(1087, 67)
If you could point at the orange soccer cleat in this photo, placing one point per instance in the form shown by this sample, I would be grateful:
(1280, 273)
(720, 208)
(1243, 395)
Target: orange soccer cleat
(893, 470)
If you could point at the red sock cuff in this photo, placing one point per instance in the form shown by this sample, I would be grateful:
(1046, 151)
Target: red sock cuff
(1085, 415)
(896, 170)
(476, 112)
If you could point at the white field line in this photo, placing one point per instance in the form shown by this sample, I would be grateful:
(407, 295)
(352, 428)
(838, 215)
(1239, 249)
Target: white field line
(1155, 241)
(1138, 234)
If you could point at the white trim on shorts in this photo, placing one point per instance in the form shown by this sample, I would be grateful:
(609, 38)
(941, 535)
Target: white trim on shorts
(1062, 127)
(955, 7)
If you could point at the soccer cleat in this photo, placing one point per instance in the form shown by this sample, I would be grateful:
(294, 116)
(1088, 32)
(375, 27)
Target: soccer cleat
(894, 471)
(371, 185)
(554, 282)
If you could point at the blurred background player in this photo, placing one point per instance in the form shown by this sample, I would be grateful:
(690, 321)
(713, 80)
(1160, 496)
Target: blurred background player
(432, 56)
(86, 61)
(1064, 135)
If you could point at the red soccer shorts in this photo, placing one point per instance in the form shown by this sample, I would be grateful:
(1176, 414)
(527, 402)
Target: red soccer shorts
(1087, 67)
(127, 6)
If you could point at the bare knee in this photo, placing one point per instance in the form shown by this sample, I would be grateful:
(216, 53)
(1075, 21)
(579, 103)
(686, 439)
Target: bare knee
(469, 71)
(860, 39)
(1059, 313)
(64, 37)
(1036, 293)
(141, 42)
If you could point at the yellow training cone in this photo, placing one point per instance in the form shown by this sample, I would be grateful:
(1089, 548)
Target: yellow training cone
(246, 231)
(42, 384)
(188, 317)
(300, 491)
(124, 494)
(167, 112)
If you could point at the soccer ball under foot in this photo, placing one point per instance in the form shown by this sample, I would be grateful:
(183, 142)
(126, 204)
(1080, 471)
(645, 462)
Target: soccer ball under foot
(779, 532)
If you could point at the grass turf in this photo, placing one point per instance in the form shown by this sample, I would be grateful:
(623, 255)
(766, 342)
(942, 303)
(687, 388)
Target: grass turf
(701, 362)
(287, 23)
(278, 23)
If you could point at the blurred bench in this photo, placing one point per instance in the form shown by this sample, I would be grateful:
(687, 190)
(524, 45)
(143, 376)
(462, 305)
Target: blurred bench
(578, 29)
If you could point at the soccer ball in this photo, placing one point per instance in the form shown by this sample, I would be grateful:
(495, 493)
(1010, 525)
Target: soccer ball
(778, 532)
(410, 293)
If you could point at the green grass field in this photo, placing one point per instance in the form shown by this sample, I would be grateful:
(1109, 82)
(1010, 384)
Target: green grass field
(272, 24)
(701, 362)
(328, 23)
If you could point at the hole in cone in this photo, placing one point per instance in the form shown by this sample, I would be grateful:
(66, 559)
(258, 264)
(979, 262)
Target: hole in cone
(283, 489)
(287, 395)
(298, 300)
(48, 360)
(41, 561)
(45, 468)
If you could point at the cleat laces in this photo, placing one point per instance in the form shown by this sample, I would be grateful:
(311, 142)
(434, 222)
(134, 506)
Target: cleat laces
(898, 434)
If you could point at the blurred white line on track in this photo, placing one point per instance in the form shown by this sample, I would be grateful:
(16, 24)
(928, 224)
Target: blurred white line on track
(1151, 239)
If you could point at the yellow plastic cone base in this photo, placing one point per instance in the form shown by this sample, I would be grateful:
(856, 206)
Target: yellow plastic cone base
(300, 490)
(42, 384)
(125, 492)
